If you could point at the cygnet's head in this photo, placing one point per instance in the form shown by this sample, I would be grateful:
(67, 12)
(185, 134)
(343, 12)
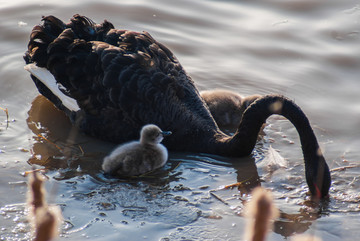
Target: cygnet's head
(152, 134)
(248, 100)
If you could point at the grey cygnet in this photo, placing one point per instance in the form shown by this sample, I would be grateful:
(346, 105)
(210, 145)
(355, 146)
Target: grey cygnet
(138, 157)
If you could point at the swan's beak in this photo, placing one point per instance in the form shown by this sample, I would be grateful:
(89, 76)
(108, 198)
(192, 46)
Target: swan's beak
(166, 133)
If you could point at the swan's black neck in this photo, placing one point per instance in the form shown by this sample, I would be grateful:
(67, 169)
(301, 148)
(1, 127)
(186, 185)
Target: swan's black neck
(244, 140)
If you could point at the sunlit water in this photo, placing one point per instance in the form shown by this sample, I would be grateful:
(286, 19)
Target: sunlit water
(307, 50)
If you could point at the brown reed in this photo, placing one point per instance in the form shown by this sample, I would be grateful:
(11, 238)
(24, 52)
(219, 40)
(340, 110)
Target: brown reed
(260, 213)
(44, 219)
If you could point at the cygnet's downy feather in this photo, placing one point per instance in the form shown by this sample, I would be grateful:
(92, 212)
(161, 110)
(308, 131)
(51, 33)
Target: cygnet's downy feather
(121, 80)
(227, 107)
(138, 157)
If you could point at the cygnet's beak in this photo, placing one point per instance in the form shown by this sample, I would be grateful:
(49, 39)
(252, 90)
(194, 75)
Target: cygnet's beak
(166, 133)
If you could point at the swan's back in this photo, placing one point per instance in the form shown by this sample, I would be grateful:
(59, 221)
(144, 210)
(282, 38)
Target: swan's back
(120, 79)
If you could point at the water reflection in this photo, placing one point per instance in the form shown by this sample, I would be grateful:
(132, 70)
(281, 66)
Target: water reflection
(58, 144)
(290, 224)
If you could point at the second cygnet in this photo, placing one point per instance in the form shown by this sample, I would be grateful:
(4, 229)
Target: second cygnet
(227, 106)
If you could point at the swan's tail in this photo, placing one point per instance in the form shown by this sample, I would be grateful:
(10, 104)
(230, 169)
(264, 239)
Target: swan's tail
(43, 35)
(40, 38)
(47, 41)
(316, 170)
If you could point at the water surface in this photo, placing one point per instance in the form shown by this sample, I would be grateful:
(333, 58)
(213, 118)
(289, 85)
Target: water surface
(307, 50)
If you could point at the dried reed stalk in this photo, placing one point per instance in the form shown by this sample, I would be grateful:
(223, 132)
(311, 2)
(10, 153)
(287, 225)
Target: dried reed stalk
(45, 219)
(7, 116)
(260, 212)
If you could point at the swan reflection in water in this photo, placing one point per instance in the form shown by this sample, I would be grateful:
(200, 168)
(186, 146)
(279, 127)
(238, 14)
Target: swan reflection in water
(59, 146)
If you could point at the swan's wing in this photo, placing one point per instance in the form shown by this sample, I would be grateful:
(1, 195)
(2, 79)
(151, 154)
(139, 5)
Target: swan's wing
(118, 88)
(49, 81)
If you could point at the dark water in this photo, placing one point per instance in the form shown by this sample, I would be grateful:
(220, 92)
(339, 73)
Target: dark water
(307, 50)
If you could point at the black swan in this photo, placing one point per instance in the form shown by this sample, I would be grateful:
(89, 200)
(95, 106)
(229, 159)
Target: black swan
(138, 157)
(112, 82)
(227, 107)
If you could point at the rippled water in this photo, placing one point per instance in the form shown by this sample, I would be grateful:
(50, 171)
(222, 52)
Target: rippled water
(308, 50)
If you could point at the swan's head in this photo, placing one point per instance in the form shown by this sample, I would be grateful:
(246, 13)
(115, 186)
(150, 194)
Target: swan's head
(318, 177)
(152, 134)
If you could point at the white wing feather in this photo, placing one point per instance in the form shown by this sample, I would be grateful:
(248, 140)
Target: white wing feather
(273, 160)
(48, 79)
